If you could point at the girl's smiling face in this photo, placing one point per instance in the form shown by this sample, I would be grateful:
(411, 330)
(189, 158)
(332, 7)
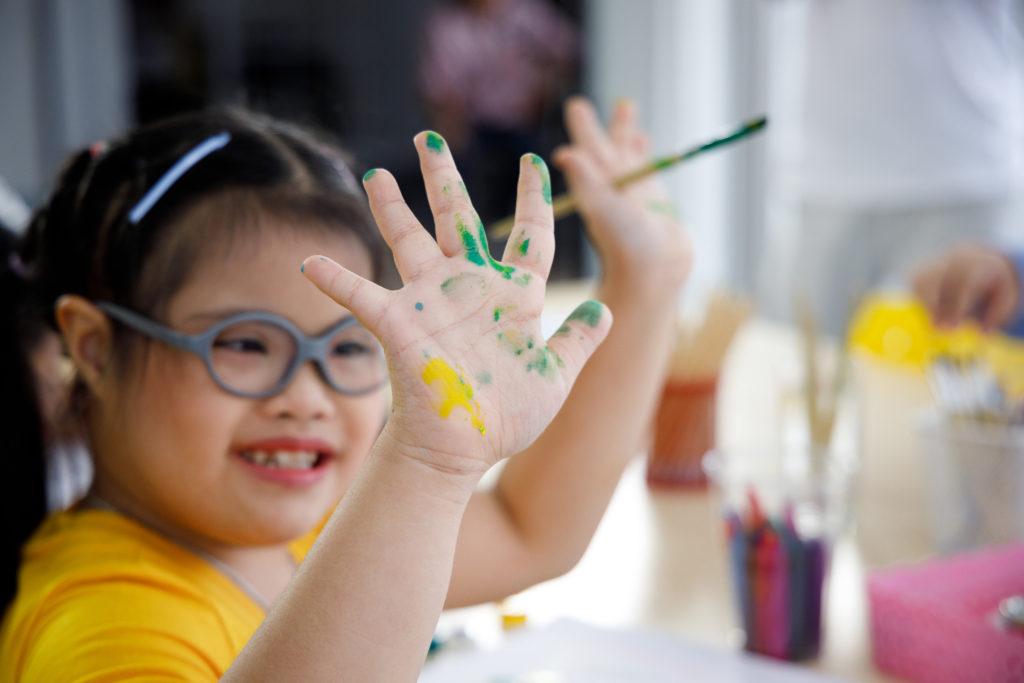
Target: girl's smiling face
(177, 451)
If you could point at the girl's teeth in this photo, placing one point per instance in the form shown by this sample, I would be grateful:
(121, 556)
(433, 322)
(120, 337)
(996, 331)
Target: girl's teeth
(282, 459)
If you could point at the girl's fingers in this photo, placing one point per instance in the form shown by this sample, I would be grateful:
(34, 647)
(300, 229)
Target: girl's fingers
(578, 338)
(622, 127)
(449, 201)
(586, 182)
(585, 130)
(532, 242)
(411, 245)
(366, 300)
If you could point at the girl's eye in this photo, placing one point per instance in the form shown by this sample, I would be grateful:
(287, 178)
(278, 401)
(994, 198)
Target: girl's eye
(241, 345)
(349, 348)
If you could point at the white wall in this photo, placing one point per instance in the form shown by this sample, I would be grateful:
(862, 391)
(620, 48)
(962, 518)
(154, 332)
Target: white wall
(692, 67)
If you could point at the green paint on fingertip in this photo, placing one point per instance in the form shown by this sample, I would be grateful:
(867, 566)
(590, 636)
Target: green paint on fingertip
(563, 330)
(419, 305)
(435, 143)
(302, 267)
(589, 312)
(369, 174)
(545, 175)
(524, 246)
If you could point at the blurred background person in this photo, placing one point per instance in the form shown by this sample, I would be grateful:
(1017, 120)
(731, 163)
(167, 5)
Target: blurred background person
(905, 137)
(974, 282)
(492, 72)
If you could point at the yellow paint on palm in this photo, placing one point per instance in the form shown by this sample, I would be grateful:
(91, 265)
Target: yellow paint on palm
(454, 392)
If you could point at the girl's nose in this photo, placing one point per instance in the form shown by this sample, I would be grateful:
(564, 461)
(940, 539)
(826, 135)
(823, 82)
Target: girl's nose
(307, 397)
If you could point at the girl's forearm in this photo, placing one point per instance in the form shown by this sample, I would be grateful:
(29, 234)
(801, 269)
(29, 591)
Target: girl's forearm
(551, 497)
(364, 603)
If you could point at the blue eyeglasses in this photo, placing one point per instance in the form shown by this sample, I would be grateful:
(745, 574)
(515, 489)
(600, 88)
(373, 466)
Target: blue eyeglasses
(256, 354)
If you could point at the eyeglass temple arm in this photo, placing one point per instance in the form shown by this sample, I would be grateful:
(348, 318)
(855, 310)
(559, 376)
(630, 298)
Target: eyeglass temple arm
(150, 328)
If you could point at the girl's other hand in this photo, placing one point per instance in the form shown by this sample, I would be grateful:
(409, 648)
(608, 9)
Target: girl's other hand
(636, 229)
(473, 380)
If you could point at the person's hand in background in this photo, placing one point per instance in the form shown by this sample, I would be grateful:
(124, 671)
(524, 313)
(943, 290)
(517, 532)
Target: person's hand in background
(969, 282)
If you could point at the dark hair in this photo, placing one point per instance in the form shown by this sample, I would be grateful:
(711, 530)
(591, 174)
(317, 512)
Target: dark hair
(83, 242)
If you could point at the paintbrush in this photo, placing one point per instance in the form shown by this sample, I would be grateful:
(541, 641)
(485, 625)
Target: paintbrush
(565, 204)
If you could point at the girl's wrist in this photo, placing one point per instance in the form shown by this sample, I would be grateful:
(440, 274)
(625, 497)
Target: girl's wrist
(442, 475)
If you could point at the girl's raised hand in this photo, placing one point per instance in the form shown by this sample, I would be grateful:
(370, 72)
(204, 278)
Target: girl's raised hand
(473, 380)
(636, 229)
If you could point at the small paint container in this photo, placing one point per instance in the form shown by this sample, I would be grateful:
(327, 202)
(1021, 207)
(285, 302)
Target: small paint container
(684, 430)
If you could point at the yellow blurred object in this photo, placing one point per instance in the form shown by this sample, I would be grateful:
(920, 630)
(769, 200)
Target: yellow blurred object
(510, 621)
(899, 330)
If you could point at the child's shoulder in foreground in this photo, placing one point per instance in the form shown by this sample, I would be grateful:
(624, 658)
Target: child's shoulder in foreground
(99, 592)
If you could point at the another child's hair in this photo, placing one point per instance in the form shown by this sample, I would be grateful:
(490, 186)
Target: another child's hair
(83, 241)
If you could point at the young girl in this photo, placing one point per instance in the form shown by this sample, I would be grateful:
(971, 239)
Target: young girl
(229, 406)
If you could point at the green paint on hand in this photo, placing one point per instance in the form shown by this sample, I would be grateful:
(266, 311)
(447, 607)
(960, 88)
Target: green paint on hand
(506, 271)
(663, 207)
(302, 267)
(435, 143)
(545, 176)
(497, 314)
(450, 285)
(369, 174)
(446, 190)
(462, 185)
(544, 362)
(484, 378)
(563, 330)
(513, 342)
(523, 279)
(589, 312)
(469, 242)
(529, 343)
(524, 246)
(419, 306)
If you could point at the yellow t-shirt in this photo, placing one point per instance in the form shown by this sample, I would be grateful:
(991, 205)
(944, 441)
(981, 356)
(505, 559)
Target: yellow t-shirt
(102, 598)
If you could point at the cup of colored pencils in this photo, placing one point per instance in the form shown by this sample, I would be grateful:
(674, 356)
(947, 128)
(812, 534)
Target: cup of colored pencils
(684, 426)
(779, 531)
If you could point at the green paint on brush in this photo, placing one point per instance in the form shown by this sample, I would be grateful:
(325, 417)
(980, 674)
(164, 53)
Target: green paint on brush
(484, 378)
(435, 143)
(419, 306)
(545, 176)
(473, 254)
(589, 312)
(369, 174)
(524, 246)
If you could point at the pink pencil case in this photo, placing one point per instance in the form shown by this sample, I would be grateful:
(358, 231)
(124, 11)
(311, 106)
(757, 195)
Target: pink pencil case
(935, 621)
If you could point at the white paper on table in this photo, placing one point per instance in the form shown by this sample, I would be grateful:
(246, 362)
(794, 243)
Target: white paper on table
(572, 652)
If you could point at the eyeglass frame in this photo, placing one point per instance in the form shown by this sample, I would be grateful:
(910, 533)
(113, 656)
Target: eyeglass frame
(307, 348)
